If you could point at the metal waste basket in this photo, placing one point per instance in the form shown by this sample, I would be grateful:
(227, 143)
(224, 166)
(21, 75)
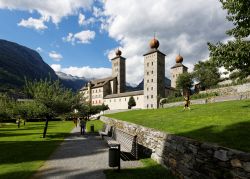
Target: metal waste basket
(92, 128)
(114, 157)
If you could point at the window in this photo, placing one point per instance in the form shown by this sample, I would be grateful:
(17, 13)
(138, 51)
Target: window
(147, 89)
(147, 64)
(147, 105)
(152, 63)
(147, 73)
(152, 96)
(152, 72)
(152, 80)
(148, 81)
(125, 99)
(152, 88)
(151, 105)
(147, 97)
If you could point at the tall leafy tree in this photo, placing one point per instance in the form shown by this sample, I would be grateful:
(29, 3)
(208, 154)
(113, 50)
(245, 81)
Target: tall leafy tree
(53, 96)
(235, 54)
(207, 73)
(184, 82)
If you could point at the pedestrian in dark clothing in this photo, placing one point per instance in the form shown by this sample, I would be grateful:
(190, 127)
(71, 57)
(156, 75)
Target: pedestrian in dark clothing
(82, 125)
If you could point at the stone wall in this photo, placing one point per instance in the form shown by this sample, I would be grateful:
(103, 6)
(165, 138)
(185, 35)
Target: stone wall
(230, 90)
(188, 158)
(215, 99)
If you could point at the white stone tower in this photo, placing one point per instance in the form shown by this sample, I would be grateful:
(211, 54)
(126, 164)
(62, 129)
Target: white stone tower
(119, 71)
(177, 69)
(154, 75)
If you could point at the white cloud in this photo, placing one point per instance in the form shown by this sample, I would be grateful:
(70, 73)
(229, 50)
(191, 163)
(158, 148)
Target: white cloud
(82, 21)
(56, 67)
(39, 49)
(49, 10)
(183, 25)
(85, 71)
(55, 56)
(82, 37)
(37, 24)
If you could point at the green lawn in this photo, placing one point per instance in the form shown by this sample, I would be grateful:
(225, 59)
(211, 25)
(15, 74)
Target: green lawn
(23, 151)
(150, 170)
(226, 123)
(97, 125)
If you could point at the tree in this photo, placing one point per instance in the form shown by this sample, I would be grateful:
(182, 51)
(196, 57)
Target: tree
(235, 54)
(184, 82)
(131, 102)
(5, 107)
(29, 110)
(206, 73)
(56, 99)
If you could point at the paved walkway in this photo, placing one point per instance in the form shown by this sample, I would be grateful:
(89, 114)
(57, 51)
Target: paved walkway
(79, 157)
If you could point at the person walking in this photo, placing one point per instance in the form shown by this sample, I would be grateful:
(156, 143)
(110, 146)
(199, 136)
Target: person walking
(82, 125)
(187, 102)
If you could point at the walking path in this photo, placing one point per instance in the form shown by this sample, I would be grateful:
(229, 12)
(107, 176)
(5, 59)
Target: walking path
(79, 157)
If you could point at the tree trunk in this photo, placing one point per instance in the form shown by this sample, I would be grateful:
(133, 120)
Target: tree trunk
(45, 127)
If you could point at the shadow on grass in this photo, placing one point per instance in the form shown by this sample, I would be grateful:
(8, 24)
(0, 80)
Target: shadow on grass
(40, 150)
(151, 171)
(234, 136)
(54, 173)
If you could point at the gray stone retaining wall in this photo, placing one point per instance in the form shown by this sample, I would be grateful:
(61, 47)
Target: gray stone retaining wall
(188, 158)
(215, 99)
(230, 90)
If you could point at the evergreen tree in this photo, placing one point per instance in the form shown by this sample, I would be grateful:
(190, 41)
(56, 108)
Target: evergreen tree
(131, 102)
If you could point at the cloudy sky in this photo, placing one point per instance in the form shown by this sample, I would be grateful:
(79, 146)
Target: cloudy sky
(78, 37)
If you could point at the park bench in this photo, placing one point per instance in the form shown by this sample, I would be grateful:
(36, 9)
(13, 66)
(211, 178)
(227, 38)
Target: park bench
(127, 142)
(106, 130)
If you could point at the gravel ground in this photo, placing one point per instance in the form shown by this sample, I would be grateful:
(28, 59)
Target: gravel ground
(79, 157)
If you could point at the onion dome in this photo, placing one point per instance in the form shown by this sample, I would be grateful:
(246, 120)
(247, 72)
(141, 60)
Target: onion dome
(179, 59)
(118, 52)
(154, 43)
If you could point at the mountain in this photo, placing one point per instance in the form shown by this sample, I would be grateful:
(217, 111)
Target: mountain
(73, 82)
(18, 62)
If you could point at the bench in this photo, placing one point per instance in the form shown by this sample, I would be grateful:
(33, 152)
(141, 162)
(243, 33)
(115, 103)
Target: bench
(106, 130)
(127, 142)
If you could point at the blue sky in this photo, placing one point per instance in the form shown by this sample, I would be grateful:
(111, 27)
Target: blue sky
(78, 37)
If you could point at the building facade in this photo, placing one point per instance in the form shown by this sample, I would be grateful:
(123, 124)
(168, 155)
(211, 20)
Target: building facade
(111, 91)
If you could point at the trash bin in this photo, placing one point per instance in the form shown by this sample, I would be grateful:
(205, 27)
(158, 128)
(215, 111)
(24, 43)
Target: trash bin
(114, 157)
(92, 128)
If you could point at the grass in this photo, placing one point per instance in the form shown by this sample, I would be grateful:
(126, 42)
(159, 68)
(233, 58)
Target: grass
(225, 123)
(150, 170)
(24, 150)
(97, 125)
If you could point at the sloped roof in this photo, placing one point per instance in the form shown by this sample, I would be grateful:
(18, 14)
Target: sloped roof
(178, 65)
(98, 82)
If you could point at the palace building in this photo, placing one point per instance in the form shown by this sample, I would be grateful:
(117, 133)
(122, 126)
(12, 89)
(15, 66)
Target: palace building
(112, 90)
